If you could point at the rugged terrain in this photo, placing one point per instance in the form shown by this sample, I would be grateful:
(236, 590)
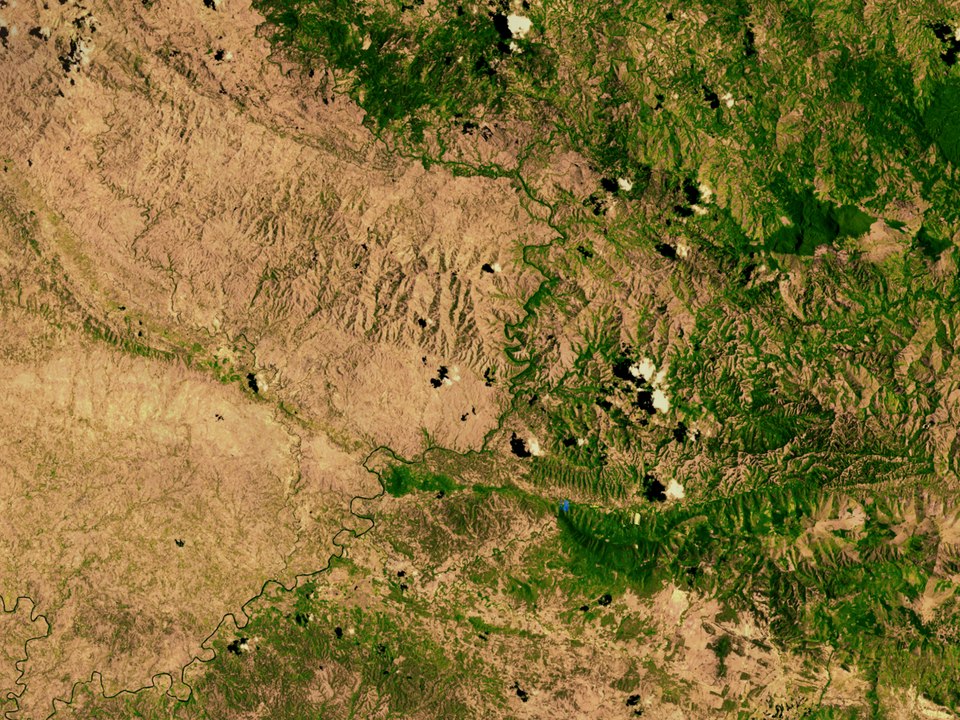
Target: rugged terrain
(466, 360)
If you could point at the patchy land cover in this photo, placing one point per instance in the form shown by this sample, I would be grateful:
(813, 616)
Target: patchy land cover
(455, 359)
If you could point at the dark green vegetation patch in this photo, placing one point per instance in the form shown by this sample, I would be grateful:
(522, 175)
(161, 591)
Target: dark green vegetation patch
(805, 134)
(814, 223)
(820, 571)
(763, 115)
(409, 71)
(941, 119)
(400, 480)
(728, 142)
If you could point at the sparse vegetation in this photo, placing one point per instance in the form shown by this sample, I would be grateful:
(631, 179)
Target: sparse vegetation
(661, 298)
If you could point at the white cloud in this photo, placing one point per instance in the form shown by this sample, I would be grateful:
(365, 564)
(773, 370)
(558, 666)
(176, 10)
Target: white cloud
(674, 490)
(661, 378)
(518, 25)
(661, 402)
(645, 369)
(452, 377)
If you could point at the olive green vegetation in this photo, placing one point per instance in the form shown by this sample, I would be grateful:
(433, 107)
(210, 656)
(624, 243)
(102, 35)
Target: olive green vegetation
(722, 647)
(806, 411)
(836, 117)
(941, 119)
(394, 669)
(297, 643)
(833, 389)
(400, 480)
(861, 114)
(715, 94)
(407, 73)
(851, 589)
(815, 223)
(931, 245)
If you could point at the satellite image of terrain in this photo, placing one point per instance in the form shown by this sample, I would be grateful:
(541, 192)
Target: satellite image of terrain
(454, 359)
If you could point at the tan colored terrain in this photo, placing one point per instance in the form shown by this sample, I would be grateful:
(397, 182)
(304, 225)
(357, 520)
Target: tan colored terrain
(220, 215)
(169, 219)
(19, 625)
(220, 293)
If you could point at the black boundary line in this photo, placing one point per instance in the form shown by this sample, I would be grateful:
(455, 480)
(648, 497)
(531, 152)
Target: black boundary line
(19, 665)
(509, 329)
(96, 676)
